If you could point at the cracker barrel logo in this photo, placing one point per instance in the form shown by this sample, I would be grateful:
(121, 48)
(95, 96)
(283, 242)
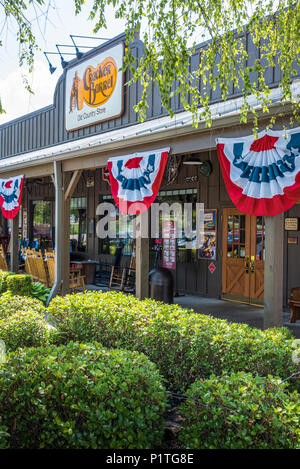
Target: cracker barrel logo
(96, 86)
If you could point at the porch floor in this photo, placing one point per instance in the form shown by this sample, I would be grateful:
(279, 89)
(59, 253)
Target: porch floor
(232, 311)
(229, 310)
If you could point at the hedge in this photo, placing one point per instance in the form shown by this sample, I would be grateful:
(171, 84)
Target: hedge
(184, 346)
(11, 304)
(240, 411)
(19, 284)
(3, 437)
(3, 280)
(23, 285)
(81, 396)
(26, 329)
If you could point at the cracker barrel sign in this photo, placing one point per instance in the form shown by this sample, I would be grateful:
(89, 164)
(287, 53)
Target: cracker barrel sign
(94, 89)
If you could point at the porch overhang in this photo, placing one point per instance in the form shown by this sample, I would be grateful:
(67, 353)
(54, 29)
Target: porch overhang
(94, 151)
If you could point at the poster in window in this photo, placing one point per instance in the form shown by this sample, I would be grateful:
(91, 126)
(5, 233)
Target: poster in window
(208, 249)
(169, 244)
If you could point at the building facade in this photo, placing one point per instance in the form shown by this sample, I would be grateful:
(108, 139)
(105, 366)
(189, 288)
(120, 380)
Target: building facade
(63, 150)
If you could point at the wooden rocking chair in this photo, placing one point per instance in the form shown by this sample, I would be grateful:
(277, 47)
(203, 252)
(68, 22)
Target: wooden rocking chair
(3, 263)
(123, 278)
(34, 266)
(76, 280)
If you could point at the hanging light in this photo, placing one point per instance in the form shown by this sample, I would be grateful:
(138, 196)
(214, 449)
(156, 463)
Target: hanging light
(193, 161)
(51, 67)
(205, 167)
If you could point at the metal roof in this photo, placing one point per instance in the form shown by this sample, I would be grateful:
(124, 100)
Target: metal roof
(99, 142)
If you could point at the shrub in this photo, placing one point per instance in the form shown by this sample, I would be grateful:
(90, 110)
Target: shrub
(3, 279)
(19, 284)
(240, 411)
(3, 437)
(184, 346)
(39, 291)
(81, 396)
(12, 304)
(26, 329)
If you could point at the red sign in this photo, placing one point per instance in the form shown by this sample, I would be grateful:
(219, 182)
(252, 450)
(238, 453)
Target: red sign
(169, 244)
(211, 267)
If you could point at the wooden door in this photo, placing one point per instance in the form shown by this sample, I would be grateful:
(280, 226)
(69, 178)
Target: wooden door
(242, 257)
(257, 258)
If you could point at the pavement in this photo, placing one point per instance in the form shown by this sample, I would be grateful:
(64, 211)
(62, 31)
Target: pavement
(233, 311)
(225, 309)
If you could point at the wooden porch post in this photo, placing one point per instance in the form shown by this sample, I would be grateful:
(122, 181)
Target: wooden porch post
(14, 245)
(59, 193)
(273, 295)
(142, 257)
(68, 192)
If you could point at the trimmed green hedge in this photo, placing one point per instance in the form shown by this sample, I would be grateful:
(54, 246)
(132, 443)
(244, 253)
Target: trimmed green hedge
(3, 437)
(11, 304)
(240, 412)
(26, 329)
(23, 285)
(184, 346)
(3, 280)
(81, 396)
(19, 284)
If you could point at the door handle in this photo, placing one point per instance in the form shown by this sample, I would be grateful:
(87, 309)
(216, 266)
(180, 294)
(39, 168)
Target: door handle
(247, 264)
(252, 264)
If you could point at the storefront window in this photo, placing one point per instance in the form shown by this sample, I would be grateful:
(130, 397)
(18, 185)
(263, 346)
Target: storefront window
(42, 220)
(124, 235)
(109, 245)
(78, 224)
(182, 197)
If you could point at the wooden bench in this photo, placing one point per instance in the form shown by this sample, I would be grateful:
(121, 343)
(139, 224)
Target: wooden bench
(294, 304)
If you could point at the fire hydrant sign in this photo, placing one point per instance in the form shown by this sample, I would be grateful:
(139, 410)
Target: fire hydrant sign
(169, 244)
(94, 89)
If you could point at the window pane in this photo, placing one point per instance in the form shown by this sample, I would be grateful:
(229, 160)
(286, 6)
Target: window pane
(78, 224)
(42, 219)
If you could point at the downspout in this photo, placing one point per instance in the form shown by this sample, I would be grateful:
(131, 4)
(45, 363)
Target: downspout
(59, 201)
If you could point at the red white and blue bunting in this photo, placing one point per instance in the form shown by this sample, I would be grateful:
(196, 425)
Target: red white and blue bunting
(11, 196)
(135, 179)
(262, 176)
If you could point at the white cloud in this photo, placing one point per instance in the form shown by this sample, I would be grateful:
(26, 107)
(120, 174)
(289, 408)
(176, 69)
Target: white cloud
(17, 101)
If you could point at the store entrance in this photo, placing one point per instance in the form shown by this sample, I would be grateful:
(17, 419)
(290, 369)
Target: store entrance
(243, 255)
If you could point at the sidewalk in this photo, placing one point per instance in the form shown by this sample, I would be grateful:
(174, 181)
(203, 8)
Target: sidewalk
(232, 311)
(229, 310)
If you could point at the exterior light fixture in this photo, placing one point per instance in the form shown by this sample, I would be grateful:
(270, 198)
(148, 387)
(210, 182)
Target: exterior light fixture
(205, 167)
(51, 67)
(75, 46)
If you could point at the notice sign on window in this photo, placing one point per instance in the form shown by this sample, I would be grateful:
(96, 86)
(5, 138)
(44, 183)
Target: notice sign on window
(94, 89)
(169, 244)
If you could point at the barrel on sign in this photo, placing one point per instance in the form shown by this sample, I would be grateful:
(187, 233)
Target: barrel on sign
(161, 285)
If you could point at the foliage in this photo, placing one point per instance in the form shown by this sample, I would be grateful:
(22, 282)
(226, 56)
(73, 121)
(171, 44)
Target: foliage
(39, 291)
(26, 329)
(184, 346)
(23, 285)
(81, 396)
(11, 304)
(171, 30)
(19, 284)
(16, 11)
(3, 436)
(3, 280)
(296, 352)
(240, 411)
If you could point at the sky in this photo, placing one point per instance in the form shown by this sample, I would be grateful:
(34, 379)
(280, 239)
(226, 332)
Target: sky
(61, 23)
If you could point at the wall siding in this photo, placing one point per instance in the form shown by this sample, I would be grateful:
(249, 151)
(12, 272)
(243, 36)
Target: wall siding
(45, 127)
